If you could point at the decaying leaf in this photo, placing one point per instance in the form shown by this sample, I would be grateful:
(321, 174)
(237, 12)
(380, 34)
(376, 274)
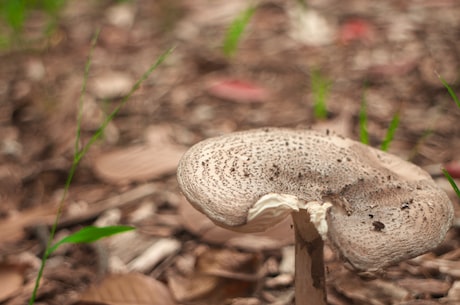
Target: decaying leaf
(373, 292)
(139, 162)
(218, 275)
(453, 168)
(428, 286)
(238, 91)
(128, 289)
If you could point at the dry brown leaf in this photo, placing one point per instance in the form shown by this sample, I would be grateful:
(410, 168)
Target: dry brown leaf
(454, 292)
(239, 91)
(12, 228)
(11, 279)
(219, 274)
(157, 157)
(229, 264)
(128, 289)
(451, 268)
(374, 292)
(137, 163)
(197, 223)
(425, 286)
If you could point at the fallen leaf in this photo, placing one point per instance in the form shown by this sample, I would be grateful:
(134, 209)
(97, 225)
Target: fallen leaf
(137, 163)
(156, 253)
(239, 91)
(219, 275)
(11, 279)
(453, 168)
(375, 292)
(425, 286)
(229, 264)
(128, 289)
(454, 292)
(158, 156)
(356, 29)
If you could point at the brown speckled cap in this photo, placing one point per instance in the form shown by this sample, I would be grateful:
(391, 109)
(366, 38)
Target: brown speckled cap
(378, 208)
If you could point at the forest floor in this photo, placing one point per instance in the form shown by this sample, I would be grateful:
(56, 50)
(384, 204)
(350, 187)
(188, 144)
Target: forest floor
(388, 53)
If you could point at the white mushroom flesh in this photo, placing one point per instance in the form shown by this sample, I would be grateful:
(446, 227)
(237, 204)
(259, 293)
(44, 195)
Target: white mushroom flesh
(384, 209)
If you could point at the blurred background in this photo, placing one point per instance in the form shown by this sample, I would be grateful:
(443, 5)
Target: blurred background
(371, 71)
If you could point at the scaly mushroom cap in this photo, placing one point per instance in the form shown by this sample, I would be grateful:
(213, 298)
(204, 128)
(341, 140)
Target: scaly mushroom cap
(377, 208)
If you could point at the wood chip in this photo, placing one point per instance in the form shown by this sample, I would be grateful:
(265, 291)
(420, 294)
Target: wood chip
(161, 249)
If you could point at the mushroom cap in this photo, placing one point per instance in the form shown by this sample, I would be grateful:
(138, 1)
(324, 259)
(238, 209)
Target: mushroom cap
(380, 209)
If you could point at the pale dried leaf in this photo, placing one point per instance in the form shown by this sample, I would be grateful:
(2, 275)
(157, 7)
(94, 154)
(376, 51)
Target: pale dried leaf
(310, 27)
(192, 288)
(129, 289)
(375, 292)
(425, 286)
(238, 91)
(137, 163)
(287, 264)
(229, 264)
(154, 254)
(451, 268)
(111, 85)
(121, 15)
(219, 274)
(281, 280)
(454, 292)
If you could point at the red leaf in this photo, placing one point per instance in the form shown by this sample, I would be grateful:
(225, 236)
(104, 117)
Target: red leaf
(453, 168)
(355, 29)
(238, 91)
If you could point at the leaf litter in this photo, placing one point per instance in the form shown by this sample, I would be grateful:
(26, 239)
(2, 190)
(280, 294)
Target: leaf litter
(134, 165)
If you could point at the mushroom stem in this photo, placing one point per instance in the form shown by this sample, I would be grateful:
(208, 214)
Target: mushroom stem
(310, 283)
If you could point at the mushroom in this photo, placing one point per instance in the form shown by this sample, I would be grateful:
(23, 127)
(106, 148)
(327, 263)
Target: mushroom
(374, 208)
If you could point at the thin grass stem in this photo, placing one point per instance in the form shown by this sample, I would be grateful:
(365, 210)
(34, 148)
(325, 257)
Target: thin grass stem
(451, 181)
(363, 133)
(390, 132)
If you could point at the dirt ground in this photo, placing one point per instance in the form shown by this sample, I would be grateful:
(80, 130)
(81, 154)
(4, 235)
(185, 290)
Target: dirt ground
(388, 52)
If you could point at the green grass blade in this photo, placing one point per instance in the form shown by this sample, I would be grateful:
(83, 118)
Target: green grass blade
(320, 87)
(14, 12)
(450, 90)
(363, 133)
(90, 234)
(79, 153)
(235, 30)
(451, 181)
(390, 132)
(100, 131)
(75, 162)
